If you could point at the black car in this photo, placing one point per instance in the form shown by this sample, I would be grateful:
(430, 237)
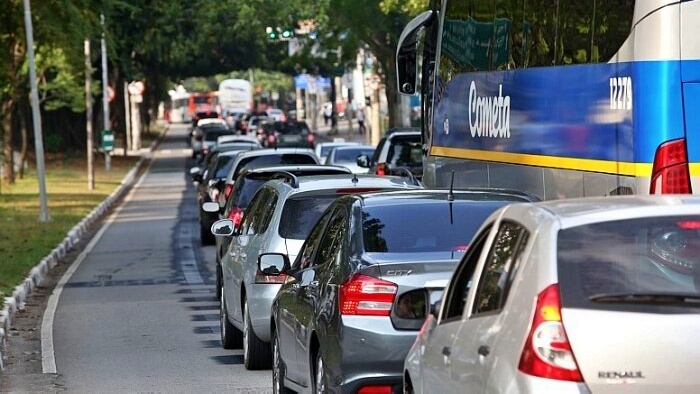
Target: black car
(351, 305)
(290, 133)
(250, 179)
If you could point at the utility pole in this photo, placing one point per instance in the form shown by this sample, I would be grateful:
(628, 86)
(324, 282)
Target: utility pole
(88, 110)
(36, 116)
(105, 87)
(127, 109)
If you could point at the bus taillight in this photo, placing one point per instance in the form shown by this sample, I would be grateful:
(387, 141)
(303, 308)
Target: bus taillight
(670, 174)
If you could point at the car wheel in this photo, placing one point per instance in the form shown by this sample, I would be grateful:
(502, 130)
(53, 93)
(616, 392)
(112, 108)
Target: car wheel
(231, 337)
(218, 281)
(319, 379)
(407, 385)
(278, 368)
(206, 236)
(256, 353)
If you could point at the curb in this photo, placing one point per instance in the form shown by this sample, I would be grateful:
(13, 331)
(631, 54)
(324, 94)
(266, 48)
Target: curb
(16, 301)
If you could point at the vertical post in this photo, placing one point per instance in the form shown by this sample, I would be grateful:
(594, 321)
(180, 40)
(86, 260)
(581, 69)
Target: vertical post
(88, 125)
(36, 116)
(127, 117)
(105, 86)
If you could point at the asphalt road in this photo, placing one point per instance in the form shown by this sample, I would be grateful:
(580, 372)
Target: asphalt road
(138, 313)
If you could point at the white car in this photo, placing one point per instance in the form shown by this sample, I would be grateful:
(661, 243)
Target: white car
(594, 295)
(276, 114)
(346, 156)
(322, 148)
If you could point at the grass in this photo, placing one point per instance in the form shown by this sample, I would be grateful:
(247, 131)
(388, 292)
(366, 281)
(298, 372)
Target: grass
(24, 241)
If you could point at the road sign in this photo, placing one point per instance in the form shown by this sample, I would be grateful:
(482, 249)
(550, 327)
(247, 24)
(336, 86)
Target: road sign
(107, 140)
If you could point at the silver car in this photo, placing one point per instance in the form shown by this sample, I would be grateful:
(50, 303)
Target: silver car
(277, 220)
(596, 295)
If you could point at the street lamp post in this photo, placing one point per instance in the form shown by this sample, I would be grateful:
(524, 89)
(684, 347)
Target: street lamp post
(36, 116)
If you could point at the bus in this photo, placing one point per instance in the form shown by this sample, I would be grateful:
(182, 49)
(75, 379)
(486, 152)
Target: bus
(201, 102)
(178, 107)
(558, 98)
(235, 95)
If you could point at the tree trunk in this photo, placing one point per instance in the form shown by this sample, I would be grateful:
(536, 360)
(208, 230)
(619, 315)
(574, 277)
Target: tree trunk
(7, 161)
(24, 142)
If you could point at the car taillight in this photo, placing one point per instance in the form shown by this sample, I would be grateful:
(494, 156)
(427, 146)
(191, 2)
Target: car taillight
(367, 296)
(382, 169)
(198, 137)
(376, 389)
(670, 174)
(262, 278)
(547, 352)
(227, 190)
(310, 138)
(236, 215)
(271, 140)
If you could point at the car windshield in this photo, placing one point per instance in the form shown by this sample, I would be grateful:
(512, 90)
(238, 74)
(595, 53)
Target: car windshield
(405, 227)
(405, 151)
(211, 135)
(291, 127)
(349, 155)
(620, 260)
(287, 158)
(300, 214)
(244, 191)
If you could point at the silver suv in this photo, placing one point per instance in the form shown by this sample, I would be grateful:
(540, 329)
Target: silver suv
(277, 220)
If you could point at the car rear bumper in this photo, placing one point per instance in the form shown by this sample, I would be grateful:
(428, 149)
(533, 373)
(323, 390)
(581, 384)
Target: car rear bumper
(373, 352)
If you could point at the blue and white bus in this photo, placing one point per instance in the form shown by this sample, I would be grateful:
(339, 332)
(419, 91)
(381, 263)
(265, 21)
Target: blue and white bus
(559, 98)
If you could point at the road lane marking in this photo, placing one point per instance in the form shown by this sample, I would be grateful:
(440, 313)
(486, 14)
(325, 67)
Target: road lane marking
(48, 358)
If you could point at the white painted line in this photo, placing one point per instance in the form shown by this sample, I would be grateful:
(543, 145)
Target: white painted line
(48, 358)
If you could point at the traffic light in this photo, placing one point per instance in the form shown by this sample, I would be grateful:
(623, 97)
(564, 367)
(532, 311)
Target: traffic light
(287, 33)
(272, 34)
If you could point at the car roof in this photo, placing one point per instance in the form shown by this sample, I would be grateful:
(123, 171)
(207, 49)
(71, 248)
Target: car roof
(311, 169)
(350, 181)
(278, 151)
(353, 146)
(403, 130)
(573, 212)
(472, 194)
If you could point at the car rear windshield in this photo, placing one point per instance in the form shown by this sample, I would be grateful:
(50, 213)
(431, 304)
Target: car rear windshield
(244, 191)
(300, 214)
(405, 151)
(291, 127)
(411, 227)
(213, 135)
(223, 166)
(649, 263)
(286, 158)
(349, 155)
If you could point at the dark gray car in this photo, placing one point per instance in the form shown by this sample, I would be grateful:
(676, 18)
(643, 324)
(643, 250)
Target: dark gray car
(350, 308)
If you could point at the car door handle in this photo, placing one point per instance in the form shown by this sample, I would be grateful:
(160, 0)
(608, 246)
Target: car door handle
(446, 351)
(483, 350)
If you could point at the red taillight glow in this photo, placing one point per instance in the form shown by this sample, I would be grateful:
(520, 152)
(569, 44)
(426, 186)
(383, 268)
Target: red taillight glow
(689, 224)
(460, 248)
(382, 169)
(547, 352)
(670, 174)
(261, 278)
(271, 140)
(376, 389)
(236, 215)
(227, 190)
(198, 137)
(368, 296)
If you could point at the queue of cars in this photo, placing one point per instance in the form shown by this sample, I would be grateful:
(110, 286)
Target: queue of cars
(369, 283)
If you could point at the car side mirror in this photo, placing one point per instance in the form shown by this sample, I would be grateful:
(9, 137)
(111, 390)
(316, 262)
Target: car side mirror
(195, 174)
(211, 207)
(363, 161)
(223, 227)
(435, 308)
(407, 53)
(273, 263)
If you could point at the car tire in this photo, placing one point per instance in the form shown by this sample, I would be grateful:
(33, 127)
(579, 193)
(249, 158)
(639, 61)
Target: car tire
(408, 385)
(256, 353)
(206, 236)
(231, 337)
(218, 281)
(319, 379)
(278, 368)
